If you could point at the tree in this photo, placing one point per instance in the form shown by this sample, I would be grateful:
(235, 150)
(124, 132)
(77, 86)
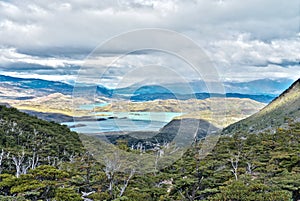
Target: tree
(3, 155)
(67, 194)
(19, 162)
(234, 161)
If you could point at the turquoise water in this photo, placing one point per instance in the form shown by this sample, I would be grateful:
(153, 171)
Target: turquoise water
(113, 125)
(125, 121)
(147, 116)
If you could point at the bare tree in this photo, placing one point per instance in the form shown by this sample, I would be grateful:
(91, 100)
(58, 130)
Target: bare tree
(160, 150)
(25, 167)
(22, 165)
(234, 160)
(112, 165)
(85, 194)
(250, 167)
(126, 182)
(19, 163)
(54, 160)
(250, 157)
(3, 155)
(159, 154)
(140, 147)
(34, 160)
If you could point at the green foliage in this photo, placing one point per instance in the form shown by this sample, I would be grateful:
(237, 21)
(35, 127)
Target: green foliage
(39, 183)
(267, 168)
(47, 172)
(99, 196)
(19, 131)
(12, 198)
(67, 194)
(250, 191)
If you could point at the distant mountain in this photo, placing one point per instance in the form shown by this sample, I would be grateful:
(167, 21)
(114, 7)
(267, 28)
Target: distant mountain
(36, 84)
(277, 114)
(255, 87)
(260, 90)
(261, 86)
(200, 96)
(45, 87)
(263, 90)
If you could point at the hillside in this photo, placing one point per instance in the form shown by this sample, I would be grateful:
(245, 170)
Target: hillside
(259, 167)
(21, 132)
(262, 167)
(56, 103)
(55, 117)
(53, 103)
(182, 131)
(276, 114)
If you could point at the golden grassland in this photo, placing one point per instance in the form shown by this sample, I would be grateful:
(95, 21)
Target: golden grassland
(218, 111)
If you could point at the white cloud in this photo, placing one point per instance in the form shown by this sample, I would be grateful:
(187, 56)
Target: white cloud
(243, 51)
(61, 78)
(88, 23)
(10, 56)
(246, 39)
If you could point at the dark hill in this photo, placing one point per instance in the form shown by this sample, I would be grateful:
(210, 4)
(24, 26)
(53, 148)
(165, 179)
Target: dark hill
(180, 131)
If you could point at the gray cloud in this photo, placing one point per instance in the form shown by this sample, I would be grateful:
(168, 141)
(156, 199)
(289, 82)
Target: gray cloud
(76, 24)
(244, 39)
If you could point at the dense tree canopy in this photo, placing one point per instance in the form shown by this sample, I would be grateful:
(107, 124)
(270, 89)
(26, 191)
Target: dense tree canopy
(45, 161)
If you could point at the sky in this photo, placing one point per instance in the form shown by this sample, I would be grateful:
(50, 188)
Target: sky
(245, 40)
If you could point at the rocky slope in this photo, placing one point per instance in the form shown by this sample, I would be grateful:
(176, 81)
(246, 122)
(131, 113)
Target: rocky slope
(284, 108)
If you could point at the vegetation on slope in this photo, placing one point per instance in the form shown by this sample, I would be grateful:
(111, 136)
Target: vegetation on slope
(34, 142)
(274, 115)
(262, 166)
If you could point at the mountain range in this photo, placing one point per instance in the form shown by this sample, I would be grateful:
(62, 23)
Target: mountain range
(263, 90)
(254, 87)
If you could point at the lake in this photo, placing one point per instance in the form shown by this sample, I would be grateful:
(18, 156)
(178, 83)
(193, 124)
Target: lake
(125, 121)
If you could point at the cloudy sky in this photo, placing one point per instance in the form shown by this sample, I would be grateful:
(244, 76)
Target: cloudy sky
(245, 39)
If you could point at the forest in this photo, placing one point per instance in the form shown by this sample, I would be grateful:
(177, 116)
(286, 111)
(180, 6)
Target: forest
(42, 160)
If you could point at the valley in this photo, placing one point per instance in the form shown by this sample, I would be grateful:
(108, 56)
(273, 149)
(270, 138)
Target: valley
(249, 160)
(149, 100)
(54, 100)
(219, 111)
(153, 126)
